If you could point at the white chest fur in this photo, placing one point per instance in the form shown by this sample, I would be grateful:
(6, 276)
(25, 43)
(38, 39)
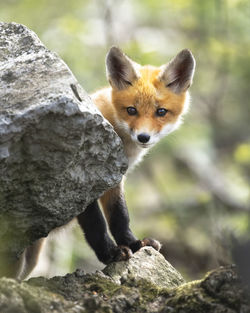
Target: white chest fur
(133, 152)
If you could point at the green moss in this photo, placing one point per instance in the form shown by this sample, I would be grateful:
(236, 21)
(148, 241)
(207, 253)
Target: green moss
(220, 292)
(189, 298)
(102, 286)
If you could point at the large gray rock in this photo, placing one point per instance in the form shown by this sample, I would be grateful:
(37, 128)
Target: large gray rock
(57, 153)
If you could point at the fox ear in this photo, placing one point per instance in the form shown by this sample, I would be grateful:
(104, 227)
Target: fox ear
(120, 69)
(178, 73)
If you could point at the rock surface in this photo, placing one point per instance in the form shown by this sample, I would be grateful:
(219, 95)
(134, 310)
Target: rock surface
(219, 292)
(146, 264)
(57, 153)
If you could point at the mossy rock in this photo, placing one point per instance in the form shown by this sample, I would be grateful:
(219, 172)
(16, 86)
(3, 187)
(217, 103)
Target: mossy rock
(220, 291)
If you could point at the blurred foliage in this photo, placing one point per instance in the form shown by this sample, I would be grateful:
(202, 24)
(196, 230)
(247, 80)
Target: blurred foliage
(192, 190)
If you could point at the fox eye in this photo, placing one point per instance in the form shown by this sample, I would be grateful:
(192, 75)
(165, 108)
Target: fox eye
(161, 112)
(131, 111)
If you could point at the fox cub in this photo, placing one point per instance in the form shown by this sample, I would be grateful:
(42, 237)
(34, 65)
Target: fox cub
(144, 104)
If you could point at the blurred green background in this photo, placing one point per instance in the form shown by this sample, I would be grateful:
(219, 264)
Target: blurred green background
(192, 190)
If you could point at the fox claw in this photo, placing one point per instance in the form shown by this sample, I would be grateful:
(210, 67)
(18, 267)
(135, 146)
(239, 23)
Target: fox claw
(123, 253)
(152, 243)
(138, 244)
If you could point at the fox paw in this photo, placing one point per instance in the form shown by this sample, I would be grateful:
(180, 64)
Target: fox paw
(121, 253)
(124, 253)
(152, 243)
(138, 244)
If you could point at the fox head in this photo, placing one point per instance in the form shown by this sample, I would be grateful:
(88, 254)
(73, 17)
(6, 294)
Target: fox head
(149, 101)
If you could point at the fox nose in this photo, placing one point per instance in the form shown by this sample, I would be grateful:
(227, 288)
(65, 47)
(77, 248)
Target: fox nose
(143, 137)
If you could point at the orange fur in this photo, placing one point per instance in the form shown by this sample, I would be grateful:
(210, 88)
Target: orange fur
(146, 94)
(146, 89)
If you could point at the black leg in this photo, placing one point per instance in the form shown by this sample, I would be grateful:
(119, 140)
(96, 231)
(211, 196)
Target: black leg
(119, 225)
(94, 227)
(116, 212)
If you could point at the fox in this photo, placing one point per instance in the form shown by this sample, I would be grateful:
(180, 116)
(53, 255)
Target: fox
(143, 104)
